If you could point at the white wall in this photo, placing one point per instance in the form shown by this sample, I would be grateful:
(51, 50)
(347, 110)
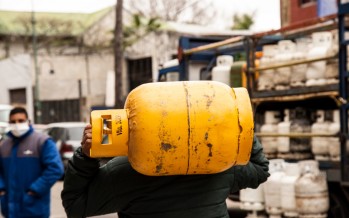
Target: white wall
(101, 33)
(160, 46)
(18, 72)
(15, 74)
(68, 70)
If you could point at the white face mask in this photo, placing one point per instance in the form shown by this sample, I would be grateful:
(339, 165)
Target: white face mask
(19, 129)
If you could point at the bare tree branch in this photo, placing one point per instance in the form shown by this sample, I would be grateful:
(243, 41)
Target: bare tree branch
(190, 11)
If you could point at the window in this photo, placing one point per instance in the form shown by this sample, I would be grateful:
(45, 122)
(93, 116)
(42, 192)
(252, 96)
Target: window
(305, 3)
(139, 71)
(18, 96)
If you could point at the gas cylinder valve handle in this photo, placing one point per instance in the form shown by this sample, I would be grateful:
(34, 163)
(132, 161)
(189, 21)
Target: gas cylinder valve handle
(104, 124)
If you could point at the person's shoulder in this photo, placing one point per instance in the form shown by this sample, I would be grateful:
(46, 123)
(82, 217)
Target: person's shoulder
(40, 134)
(5, 140)
(119, 164)
(118, 161)
(42, 138)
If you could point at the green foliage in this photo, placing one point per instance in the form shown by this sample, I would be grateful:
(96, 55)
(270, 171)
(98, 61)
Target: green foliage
(47, 26)
(52, 29)
(3, 27)
(242, 21)
(139, 27)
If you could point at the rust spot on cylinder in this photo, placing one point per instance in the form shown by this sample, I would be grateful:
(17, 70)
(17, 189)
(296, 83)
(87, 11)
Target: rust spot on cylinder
(166, 146)
(158, 168)
(209, 145)
(206, 135)
(209, 100)
(188, 119)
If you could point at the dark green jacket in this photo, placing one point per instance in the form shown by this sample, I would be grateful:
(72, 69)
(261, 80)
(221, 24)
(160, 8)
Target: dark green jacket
(90, 190)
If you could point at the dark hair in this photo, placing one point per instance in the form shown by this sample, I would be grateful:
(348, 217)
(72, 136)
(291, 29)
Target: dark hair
(19, 110)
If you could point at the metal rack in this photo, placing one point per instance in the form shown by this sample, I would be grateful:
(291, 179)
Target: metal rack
(194, 49)
(343, 10)
(337, 172)
(337, 92)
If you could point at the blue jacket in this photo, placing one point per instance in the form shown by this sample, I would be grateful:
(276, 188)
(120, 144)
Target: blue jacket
(28, 163)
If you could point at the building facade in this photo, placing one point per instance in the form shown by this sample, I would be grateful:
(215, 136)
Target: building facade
(72, 63)
(297, 11)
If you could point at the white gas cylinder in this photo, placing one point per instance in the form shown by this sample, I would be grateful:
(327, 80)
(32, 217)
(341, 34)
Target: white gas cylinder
(331, 73)
(254, 214)
(298, 77)
(288, 194)
(265, 79)
(321, 46)
(334, 142)
(319, 145)
(171, 76)
(252, 199)
(270, 144)
(221, 72)
(311, 191)
(300, 148)
(272, 188)
(284, 128)
(286, 49)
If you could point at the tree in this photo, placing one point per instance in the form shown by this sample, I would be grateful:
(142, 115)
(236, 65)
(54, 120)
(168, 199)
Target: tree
(242, 21)
(51, 32)
(118, 53)
(186, 11)
(139, 27)
(149, 15)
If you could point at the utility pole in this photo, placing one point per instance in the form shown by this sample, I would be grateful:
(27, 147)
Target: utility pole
(118, 53)
(36, 69)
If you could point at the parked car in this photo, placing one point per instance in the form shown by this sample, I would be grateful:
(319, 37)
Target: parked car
(4, 116)
(67, 136)
(39, 127)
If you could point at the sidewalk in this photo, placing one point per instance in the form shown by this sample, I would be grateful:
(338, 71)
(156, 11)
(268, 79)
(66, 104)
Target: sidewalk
(57, 210)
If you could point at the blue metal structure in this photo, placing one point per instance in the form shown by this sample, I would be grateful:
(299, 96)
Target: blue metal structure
(209, 56)
(164, 71)
(187, 53)
(189, 42)
(343, 10)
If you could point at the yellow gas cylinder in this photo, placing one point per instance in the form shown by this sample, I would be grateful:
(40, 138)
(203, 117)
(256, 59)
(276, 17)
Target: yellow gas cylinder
(178, 128)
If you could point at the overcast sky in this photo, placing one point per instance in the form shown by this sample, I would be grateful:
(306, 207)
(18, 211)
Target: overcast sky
(267, 12)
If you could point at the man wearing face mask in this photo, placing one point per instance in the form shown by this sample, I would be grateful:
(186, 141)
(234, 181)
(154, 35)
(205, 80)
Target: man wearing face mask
(29, 165)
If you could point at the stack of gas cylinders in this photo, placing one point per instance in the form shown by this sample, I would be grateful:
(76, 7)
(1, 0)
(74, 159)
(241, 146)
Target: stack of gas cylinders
(317, 45)
(294, 189)
(296, 186)
(301, 120)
